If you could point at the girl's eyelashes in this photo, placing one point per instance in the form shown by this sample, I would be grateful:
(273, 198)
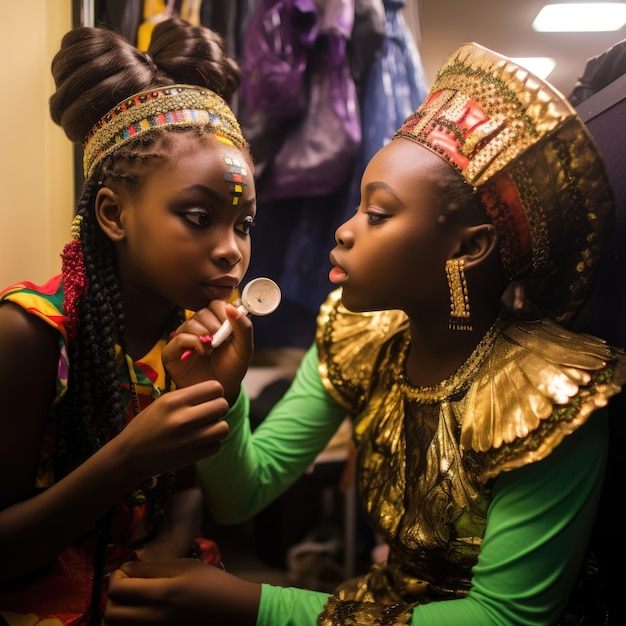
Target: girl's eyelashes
(196, 218)
(201, 219)
(376, 217)
(246, 225)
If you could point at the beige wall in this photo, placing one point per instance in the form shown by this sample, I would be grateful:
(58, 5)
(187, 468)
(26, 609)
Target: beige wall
(36, 182)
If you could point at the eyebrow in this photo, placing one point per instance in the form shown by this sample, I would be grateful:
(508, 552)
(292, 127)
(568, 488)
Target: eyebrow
(214, 195)
(375, 186)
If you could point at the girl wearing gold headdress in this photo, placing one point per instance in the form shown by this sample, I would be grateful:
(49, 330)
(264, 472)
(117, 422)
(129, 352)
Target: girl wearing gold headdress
(478, 415)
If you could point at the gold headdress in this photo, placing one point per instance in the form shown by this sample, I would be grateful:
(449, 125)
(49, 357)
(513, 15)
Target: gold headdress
(174, 105)
(535, 166)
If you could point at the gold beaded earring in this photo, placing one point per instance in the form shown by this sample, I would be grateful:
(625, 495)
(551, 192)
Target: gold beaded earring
(459, 297)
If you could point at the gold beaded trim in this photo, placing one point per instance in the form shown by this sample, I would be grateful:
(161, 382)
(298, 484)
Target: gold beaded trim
(459, 297)
(175, 105)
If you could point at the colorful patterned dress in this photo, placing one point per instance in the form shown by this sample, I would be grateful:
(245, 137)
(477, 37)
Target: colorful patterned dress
(61, 592)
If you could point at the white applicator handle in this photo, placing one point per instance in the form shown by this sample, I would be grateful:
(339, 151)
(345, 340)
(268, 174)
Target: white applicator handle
(260, 296)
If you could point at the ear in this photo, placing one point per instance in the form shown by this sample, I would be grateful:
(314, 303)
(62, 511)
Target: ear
(109, 214)
(477, 244)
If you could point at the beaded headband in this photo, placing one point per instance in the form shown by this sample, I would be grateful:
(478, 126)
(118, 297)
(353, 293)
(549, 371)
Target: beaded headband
(174, 105)
(539, 175)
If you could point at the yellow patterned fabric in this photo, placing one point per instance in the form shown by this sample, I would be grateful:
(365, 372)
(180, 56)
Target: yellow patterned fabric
(427, 456)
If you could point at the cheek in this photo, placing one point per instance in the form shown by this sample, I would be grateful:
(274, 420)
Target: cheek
(246, 253)
(418, 258)
(166, 251)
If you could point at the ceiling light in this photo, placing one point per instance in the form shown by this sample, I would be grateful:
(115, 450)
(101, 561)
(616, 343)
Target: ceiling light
(539, 66)
(581, 17)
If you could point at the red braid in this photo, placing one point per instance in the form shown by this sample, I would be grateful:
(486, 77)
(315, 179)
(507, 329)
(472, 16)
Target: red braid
(74, 278)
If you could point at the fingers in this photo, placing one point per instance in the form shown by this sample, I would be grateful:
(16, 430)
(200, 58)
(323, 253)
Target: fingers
(199, 393)
(197, 413)
(234, 317)
(216, 323)
(202, 339)
(153, 593)
(237, 319)
(137, 578)
(179, 428)
(144, 569)
(195, 334)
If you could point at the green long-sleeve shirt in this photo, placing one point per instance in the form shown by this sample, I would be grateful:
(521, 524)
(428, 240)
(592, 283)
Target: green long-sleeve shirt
(538, 521)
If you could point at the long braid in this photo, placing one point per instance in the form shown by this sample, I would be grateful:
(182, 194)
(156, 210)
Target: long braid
(93, 405)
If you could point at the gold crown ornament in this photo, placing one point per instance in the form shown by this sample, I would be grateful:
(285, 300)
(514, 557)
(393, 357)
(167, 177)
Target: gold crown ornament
(534, 165)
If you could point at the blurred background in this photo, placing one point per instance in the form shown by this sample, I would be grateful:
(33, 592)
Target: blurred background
(506, 26)
(37, 171)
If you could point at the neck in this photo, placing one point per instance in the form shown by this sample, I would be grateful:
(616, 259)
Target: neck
(436, 352)
(145, 322)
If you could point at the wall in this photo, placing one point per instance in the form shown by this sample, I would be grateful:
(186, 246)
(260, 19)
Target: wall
(36, 182)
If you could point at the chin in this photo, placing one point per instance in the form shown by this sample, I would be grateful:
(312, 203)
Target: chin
(357, 305)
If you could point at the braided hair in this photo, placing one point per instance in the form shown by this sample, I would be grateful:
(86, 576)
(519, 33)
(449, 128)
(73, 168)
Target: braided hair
(95, 69)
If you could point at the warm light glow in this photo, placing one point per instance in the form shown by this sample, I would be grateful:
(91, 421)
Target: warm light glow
(581, 17)
(539, 66)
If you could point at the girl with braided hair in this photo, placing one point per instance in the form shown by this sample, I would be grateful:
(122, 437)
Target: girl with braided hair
(97, 444)
(479, 418)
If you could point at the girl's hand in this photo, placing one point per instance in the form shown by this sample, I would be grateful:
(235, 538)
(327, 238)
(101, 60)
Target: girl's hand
(228, 363)
(177, 429)
(157, 551)
(184, 591)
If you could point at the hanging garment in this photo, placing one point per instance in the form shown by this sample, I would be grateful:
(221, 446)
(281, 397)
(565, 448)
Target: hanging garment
(122, 15)
(394, 87)
(388, 73)
(154, 11)
(296, 69)
(276, 48)
(229, 19)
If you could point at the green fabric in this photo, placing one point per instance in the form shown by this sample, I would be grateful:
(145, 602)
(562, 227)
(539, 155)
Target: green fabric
(538, 520)
(253, 471)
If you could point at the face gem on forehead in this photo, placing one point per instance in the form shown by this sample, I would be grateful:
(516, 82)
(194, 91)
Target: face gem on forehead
(234, 176)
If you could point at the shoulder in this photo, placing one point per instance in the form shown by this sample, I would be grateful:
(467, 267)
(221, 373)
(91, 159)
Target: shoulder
(539, 384)
(29, 364)
(42, 301)
(30, 322)
(350, 347)
(32, 330)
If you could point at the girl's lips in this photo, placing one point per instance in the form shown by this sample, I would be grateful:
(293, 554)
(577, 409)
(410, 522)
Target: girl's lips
(337, 275)
(218, 292)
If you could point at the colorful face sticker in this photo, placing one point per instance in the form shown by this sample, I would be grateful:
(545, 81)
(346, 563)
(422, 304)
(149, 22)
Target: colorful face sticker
(234, 176)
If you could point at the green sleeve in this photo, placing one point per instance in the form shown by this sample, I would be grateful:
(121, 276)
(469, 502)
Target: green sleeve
(289, 606)
(252, 469)
(538, 527)
(536, 539)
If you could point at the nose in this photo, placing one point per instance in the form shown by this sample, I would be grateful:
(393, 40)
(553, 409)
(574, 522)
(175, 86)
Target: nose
(227, 252)
(344, 235)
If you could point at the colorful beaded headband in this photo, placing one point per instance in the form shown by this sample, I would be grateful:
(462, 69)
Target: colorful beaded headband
(174, 105)
(539, 175)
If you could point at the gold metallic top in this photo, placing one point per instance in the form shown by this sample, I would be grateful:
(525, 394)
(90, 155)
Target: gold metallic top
(427, 455)
(173, 105)
(539, 175)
